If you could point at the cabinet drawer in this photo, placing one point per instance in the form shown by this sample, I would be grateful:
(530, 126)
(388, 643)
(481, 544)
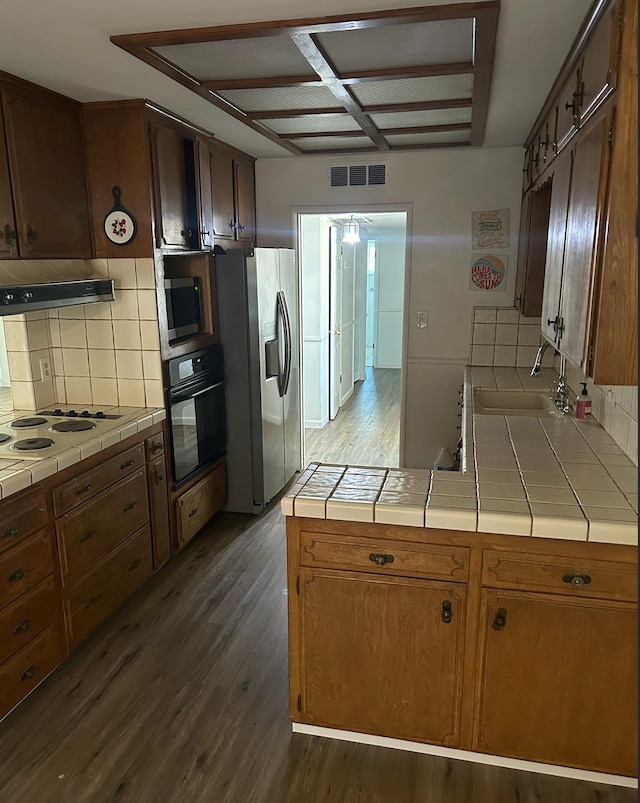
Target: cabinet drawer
(21, 517)
(21, 568)
(87, 534)
(90, 601)
(87, 485)
(578, 577)
(200, 503)
(26, 617)
(386, 557)
(154, 446)
(22, 673)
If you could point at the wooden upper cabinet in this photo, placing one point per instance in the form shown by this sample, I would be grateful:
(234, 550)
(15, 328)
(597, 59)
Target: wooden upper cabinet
(245, 199)
(532, 250)
(584, 219)
(45, 153)
(8, 234)
(556, 238)
(567, 110)
(541, 657)
(168, 151)
(598, 70)
(216, 180)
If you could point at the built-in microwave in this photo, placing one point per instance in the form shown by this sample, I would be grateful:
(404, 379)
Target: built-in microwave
(184, 307)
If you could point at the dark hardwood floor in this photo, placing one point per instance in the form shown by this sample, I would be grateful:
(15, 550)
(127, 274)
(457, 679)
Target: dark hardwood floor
(182, 696)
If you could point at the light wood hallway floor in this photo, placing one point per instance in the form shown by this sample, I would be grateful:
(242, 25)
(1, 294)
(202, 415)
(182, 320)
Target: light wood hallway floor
(182, 698)
(366, 431)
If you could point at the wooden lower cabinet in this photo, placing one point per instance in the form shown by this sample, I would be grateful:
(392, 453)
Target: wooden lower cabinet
(99, 592)
(196, 506)
(27, 668)
(159, 509)
(518, 647)
(382, 657)
(537, 700)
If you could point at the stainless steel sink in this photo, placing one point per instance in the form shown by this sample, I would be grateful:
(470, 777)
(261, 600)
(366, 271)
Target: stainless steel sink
(514, 402)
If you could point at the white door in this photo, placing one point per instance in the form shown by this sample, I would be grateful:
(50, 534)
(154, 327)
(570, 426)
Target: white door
(335, 315)
(347, 320)
(360, 308)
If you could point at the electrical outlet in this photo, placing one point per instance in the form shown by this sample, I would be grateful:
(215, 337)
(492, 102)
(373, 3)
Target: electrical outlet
(45, 368)
(422, 320)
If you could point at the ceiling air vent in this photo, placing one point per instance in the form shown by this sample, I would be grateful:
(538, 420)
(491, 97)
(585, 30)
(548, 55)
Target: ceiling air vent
(358, 175)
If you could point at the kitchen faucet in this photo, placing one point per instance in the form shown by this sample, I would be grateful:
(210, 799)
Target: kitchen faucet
(535, 371)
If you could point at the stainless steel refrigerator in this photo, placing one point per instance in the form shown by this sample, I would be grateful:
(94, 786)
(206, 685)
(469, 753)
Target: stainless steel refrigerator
(257, 294)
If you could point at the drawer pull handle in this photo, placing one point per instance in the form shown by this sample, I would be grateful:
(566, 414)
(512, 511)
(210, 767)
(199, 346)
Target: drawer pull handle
(158, 477)
(127, 508)
(193, 512)
(84, 489)
(157, 446)
(94, 600)
(11, 532)
(88, 535)
(577, 580)
(127, 463)
(379, 559)
(24, 625)
(28, 673)
(17, 575)
(501, 619)
(447, 612)
(134, 565)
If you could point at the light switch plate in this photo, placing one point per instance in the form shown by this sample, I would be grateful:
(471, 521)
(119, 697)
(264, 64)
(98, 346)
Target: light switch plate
(422, 320)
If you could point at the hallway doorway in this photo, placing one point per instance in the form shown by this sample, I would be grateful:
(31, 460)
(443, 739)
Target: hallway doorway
(352, 323)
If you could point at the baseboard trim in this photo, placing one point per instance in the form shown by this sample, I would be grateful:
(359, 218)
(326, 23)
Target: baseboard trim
(315, 424)
(466, 755)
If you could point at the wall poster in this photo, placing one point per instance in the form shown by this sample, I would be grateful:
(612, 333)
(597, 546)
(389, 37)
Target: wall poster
(490, 229)
(488, 272)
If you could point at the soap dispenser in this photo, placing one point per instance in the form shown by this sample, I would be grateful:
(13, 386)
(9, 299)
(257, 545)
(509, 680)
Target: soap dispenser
(583, 403)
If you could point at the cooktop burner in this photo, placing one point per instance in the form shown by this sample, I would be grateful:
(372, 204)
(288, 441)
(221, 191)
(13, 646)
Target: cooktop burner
(73, 426)
(4, 437)
(33, 421)
(30, 444)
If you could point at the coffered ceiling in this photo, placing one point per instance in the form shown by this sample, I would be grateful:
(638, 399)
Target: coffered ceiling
(397, 79)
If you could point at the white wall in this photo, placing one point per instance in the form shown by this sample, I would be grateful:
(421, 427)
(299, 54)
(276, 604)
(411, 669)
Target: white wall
(314, 266)
(441, 189)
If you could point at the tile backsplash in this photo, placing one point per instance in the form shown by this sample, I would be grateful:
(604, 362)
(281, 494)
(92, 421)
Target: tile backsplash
(107, 353)
(502, 337)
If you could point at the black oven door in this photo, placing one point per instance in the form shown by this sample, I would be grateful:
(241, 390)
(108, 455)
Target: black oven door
(198, 429)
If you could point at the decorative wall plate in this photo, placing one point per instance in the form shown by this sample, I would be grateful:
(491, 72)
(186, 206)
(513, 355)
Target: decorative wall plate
(119, 224)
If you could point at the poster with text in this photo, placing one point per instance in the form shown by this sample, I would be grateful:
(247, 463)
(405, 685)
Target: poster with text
(488, 272)
(490, 229)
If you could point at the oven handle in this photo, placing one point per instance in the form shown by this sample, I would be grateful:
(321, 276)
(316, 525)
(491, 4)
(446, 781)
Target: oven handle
(187, 394)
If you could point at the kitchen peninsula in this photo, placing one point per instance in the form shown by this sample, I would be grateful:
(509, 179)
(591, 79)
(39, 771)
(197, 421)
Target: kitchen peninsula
(448, 610)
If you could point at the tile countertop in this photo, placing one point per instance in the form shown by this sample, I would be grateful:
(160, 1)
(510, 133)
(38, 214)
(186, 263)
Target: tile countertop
(16, 474)
(554, 477)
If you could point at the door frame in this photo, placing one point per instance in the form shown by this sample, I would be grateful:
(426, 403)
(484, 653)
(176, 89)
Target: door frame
(329, 209)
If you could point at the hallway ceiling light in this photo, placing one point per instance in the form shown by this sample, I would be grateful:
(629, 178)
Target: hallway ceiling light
(351, 232)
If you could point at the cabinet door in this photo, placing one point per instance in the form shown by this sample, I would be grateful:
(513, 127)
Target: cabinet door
(159, 504)
(44, 144)
(567, 110)
(221, 172)
(557, 681)
(245, 199)
(584, 217)
(172, 225)
(205, 198)
(555, 245)
(8, 234)
(597, 73)
(531, 263)
(378, 657)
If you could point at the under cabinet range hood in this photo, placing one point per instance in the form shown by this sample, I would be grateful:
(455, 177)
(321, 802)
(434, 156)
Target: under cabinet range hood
(17, 298)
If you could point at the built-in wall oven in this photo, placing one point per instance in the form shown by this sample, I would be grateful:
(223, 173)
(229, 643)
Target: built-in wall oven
(197, 413)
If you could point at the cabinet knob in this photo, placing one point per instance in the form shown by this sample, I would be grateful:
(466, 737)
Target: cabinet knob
(126, 464)
(158, 477)
(157, 446)
(28, 673)
(193, 512)
(240, 228)
(128, 507)
(11, 532)
(577, 580)
(10, 235)
(379, 559)
(447, 612)
(84, 489)
(232, 225)
(500, 620)
(17, 575)
(553, 323)
(32, 234)
(24, 625)
(88, 536)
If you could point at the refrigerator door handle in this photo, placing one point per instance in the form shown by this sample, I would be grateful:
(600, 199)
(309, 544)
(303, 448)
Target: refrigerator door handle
(286, 374)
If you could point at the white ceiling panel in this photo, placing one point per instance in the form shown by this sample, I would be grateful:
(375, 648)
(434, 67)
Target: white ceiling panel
(428, 117)
(448, 137)
(284, 97)
(333, 143)
(409, 90)
(312, 123)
